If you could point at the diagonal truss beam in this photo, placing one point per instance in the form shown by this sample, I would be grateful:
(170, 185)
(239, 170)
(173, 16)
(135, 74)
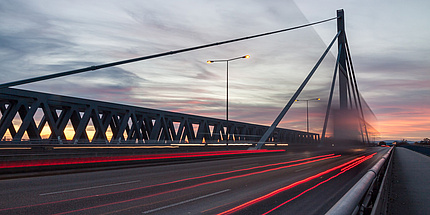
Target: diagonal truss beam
(115, 123)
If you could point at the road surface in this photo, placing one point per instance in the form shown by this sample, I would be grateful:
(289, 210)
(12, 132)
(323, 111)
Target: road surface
(304, 182)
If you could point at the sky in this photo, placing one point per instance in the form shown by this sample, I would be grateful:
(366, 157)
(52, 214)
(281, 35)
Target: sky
(388, 41)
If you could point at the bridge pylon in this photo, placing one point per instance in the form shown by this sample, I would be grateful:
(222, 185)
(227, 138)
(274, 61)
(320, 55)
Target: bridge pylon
(343, 81)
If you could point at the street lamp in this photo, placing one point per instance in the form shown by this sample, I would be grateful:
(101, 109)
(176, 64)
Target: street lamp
(307, 110)
(226, 103)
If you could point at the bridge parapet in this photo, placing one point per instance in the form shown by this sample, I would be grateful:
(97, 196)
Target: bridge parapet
(43, 117)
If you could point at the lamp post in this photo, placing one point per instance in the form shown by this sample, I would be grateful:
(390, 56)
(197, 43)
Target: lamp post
(307, 110)
(226, 103)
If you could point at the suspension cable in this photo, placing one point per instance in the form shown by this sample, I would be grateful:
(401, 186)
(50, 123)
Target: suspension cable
(356, 97)
(356, 86)
(296, 94)
(333, 82)
(92, 68)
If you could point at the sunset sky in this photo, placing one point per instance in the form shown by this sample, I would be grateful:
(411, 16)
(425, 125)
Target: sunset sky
(388, 41)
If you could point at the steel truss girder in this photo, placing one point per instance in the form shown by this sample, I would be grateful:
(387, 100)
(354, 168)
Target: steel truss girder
(128, 124)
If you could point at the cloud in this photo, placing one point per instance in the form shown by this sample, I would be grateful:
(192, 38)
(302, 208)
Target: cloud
(45, 37)
(80, 37)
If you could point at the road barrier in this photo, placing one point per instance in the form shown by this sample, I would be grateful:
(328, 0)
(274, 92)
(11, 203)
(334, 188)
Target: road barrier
(367, 195)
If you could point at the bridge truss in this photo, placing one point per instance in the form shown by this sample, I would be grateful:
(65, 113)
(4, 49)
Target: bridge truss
(41, 117)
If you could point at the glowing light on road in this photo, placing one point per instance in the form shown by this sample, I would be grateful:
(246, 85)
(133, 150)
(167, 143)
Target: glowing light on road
(15, 148)
(90, 160)
(269, 195)
(194, 186)
(305, 161)
(343, 170)
(115, 147)
(277, 144)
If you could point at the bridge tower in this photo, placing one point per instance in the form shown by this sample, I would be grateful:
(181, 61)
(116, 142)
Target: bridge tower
(342, 60)
(348, 122)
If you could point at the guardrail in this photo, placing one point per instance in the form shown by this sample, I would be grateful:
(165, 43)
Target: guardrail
(364, 197)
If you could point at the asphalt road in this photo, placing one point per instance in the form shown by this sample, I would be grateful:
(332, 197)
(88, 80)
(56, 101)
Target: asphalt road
(305, 182)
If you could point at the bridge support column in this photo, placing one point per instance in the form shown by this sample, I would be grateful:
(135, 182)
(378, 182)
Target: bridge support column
(343, 81)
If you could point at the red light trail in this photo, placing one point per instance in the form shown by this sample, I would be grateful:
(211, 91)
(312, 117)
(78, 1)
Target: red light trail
(305, 161)
(88, 160)
(198, 185)
(343, 170)
(348, 165)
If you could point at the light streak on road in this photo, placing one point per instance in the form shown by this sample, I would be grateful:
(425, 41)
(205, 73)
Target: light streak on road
(197, 185)
(348, 165)
(89, 160)
(293, 163)
(343, 170)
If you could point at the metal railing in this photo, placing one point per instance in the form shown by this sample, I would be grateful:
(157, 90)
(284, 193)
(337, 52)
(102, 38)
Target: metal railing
(361, 198)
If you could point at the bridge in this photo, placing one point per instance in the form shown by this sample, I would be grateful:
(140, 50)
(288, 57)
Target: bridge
(126, 124)
(28, 116)
(303, 168)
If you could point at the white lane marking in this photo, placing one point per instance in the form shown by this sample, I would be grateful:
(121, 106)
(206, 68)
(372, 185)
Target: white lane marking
(186, 201)
(299, 170)
(245, 165)
(88, 188)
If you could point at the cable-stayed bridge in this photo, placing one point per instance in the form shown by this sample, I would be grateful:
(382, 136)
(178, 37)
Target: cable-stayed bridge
(29, 116)
(339, 179)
